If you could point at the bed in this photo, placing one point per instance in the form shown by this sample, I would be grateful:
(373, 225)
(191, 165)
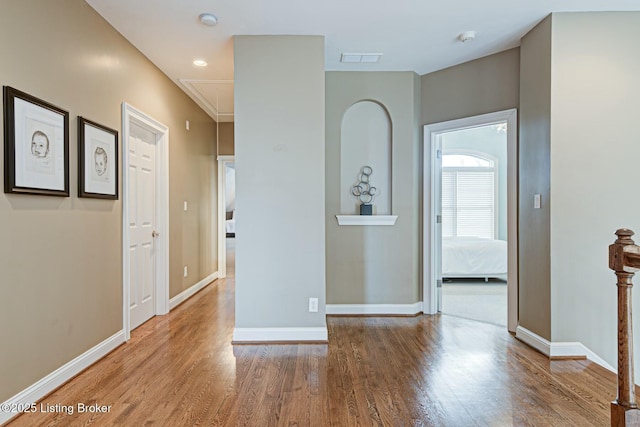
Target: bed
(230, 224)
(474, 257)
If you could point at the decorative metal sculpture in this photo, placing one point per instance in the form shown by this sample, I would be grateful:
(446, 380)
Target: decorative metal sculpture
(364, 191)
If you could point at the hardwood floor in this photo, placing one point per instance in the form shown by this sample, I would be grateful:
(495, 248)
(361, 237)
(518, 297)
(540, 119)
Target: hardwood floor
(181, 370)
(476, 300)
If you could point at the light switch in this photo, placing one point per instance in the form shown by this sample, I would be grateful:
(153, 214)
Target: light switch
(187, 124)
(536, 201)
(186, 206)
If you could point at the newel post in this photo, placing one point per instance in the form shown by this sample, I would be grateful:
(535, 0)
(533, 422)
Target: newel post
(624, 260)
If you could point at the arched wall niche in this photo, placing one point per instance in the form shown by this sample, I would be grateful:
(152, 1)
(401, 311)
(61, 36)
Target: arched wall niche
(365, 140)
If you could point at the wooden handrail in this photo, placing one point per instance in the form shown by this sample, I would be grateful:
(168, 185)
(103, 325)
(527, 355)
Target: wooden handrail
(624, 259)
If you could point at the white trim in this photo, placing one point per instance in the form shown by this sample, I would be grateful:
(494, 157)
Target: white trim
(366, 219)
(203, 102)
(597, 359)
(188, 293)
(222, 231)
(512, 219)
(533, 340)
(280, 334)
(559, 349)
(61, 375)
(430, 257)
(566, 349)
(130, 115)
(374, 309)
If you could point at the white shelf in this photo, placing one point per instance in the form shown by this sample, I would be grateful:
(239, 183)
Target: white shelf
(366, 219)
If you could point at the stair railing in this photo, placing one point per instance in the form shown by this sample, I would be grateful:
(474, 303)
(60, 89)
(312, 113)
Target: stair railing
(624, 259)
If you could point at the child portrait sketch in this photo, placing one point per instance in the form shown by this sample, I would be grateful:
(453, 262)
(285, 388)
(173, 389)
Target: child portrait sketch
(98, 160)
(100, 171)
(40, 156)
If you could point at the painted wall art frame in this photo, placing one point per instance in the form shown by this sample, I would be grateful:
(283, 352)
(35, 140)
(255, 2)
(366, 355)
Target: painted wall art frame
(97, 160)
(36, 145)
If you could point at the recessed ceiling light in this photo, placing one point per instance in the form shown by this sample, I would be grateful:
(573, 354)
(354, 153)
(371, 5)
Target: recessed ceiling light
(200, 63)
(360, 57)
(208, 19)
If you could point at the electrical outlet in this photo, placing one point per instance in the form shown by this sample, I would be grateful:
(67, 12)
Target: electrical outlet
(186, 271)
(313, 305)
(186, 206)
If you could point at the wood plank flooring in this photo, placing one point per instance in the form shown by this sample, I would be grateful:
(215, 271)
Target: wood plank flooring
(181, 370)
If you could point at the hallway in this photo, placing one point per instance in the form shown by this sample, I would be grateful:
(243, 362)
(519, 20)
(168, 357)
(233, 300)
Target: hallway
(181, 370)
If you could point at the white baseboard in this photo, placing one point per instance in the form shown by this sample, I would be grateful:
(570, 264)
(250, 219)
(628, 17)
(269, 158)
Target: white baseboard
(534, 340)
(185, 295)
(600, 361)
(61, 375)
(375, 309)
(560, 349)
(280, 334)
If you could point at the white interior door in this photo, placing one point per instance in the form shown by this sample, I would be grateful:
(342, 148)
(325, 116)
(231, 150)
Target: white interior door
(437, 226)
(142, 229)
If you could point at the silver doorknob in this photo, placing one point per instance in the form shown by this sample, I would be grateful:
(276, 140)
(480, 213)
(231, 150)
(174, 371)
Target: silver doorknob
(154, 233)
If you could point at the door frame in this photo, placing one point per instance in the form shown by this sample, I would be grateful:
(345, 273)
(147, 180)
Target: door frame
(431, 254)
(222, 231)
(132, 115)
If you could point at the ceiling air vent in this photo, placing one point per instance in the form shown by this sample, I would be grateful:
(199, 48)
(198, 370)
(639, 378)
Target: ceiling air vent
(360, 57)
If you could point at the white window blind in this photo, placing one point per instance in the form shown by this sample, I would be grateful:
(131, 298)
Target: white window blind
(468, 202)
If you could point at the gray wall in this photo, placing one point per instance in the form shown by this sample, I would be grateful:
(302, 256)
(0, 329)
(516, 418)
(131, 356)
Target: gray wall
(71, 298)
(579, 94)
(534, 306)
(594, 170)
(482, 86)
(371, 264)
(365, 141)
(279, 149)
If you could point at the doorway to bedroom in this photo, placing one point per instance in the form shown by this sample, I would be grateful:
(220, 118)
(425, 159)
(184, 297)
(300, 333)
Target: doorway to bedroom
(230, 217)
(472, 216)
(227, 216)
(474, 223)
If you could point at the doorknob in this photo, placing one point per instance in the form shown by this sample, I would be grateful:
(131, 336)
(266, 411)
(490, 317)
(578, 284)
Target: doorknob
(154, 233)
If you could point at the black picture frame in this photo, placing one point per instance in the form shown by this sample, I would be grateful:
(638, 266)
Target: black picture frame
(97, 160)
(36, 145)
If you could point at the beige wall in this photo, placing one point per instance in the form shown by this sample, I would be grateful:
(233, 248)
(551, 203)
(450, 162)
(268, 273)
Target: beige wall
(477, 87)
(365, 140)
(279, 156)
(579, 94)
(226, 138)
(594, 170)
(61, 258)
(534, 151)
(375, 265)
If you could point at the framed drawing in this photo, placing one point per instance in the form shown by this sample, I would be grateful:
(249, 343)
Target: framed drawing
(97, 160)
(36, 145)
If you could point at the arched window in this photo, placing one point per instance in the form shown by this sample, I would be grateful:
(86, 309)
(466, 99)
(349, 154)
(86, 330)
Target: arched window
(469, 186)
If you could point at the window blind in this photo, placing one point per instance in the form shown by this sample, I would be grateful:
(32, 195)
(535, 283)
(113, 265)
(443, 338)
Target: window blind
(468, 203)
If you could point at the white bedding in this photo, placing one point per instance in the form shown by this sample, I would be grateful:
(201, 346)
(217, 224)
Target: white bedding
(230, 224)
(473, 257)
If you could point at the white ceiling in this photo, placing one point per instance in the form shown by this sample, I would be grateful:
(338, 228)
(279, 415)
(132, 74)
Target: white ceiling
(413, 35)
